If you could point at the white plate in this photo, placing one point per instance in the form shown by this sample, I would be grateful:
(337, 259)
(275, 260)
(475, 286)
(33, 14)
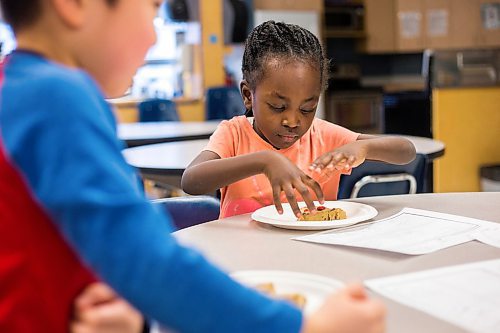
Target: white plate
(356, 212)
(314, 288)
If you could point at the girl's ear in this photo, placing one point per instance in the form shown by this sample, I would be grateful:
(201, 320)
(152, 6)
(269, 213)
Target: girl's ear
(246, 93)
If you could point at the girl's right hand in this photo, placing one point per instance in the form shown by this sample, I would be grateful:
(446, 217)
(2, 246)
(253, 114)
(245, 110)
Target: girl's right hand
(285, 176)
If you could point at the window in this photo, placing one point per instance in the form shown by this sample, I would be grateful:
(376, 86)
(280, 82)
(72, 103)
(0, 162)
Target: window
(7, 39)
(168, 61)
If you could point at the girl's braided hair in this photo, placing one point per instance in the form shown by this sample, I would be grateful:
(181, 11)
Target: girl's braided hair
(283, 41)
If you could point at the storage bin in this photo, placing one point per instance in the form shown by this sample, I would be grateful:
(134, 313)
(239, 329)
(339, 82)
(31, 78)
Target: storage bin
(490, 178)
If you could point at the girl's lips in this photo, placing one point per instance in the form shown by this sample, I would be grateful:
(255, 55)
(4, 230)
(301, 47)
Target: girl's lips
(289, 138)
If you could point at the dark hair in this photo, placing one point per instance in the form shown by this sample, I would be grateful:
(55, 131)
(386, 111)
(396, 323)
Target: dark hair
(22, 13)
(281, 40)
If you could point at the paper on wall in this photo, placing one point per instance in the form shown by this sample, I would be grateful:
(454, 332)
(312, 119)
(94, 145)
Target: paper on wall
(437, 22)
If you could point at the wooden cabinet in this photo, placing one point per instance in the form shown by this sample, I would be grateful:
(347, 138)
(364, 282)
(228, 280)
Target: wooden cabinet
(379, 26)
(437, 17)
(489, 29)
(394, 26)
(289, 4)
(465, 21)
(409, 25)
(415, 25)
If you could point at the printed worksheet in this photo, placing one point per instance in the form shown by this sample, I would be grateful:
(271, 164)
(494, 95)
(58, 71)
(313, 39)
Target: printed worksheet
(412, 232)
(466, 295)
(489, 235)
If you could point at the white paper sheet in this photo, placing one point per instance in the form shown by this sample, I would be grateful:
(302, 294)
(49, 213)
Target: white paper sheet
(413, 232)
(466, 295)
(489, 235)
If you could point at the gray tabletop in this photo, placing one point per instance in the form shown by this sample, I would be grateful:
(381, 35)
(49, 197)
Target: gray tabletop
(138, 134)
(238, 243)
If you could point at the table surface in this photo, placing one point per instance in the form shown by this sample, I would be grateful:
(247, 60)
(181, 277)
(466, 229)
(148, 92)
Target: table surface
(138, 134)
(239, 243)
(172, 158)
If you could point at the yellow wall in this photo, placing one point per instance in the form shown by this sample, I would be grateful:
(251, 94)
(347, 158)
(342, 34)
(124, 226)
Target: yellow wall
(188, 110)
(467, 120)
(212, 35)
(126, 113)
(191, 111)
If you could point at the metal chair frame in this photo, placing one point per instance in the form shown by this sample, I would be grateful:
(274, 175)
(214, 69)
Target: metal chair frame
(397, 177)
(374, 178)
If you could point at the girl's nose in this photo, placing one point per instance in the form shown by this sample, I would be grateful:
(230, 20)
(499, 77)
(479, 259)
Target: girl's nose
(290, 120)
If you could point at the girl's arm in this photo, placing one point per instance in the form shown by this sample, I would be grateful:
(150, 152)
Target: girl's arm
(390, 149)
(208, 173)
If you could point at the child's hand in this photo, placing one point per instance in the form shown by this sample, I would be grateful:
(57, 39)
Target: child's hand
(348, 311)
(285, 176)
(343, 158)
(99, 310)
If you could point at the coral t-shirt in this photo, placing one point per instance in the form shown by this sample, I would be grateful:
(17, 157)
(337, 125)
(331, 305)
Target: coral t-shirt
(237, 137)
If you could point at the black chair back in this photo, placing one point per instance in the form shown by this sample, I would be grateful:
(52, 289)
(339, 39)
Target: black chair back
(157, 109)
(190, 210)
(223, 103)
(374, 178)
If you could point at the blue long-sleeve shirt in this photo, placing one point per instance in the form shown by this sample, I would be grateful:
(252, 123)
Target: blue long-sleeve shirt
(59, 134)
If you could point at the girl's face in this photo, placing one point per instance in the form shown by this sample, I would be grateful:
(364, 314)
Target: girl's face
(284, 102)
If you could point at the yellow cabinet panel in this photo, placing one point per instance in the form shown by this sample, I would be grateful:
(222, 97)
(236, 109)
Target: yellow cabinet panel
(467, 120)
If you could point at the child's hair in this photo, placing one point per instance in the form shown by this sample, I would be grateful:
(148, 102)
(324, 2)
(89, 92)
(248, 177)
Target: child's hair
(21, 13)
(281, 40)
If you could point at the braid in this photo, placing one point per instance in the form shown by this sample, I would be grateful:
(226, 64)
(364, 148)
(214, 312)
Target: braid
(281, 40)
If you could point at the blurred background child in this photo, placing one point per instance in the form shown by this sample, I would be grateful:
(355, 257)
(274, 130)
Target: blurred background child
(71, 210)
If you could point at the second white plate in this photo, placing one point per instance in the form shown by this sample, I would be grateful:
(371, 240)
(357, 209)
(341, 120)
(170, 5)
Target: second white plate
(356, 212)
(314, 288)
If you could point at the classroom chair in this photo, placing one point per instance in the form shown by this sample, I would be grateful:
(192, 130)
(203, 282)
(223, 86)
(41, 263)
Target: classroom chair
(223, 103)
(373, 178)
(157, 109)
(188, 211)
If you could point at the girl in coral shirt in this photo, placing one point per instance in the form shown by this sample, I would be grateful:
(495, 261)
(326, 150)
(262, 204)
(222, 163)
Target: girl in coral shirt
(283, 153)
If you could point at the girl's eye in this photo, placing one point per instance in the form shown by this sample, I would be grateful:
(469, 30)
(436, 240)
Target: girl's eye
(307, 111)
(277, 108)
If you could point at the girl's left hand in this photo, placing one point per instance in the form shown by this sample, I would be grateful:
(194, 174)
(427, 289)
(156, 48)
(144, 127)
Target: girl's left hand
(342, 159)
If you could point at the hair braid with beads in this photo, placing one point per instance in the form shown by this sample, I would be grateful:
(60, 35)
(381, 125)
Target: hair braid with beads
(271, 40)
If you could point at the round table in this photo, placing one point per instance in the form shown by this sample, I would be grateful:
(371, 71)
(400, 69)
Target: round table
(172, 158)
(145, 133)
(238, 243)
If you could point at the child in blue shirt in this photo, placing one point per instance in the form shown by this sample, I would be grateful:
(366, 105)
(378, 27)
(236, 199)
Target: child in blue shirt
(71, 211)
